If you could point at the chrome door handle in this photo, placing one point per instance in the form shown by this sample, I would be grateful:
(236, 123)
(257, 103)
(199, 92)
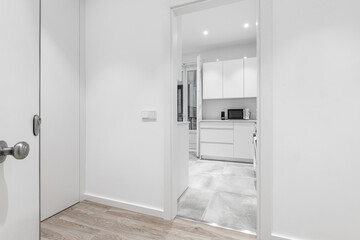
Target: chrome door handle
(19, 151)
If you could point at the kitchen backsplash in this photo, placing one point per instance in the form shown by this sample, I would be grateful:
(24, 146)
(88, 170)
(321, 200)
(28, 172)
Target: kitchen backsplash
(212, 108)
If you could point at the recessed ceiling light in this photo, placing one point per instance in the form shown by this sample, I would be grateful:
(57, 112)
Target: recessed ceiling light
(245, 57)
(205, 33)
(256, 23)
(246, 25)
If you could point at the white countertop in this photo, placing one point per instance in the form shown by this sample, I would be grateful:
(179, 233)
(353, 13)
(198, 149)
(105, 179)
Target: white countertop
(230, 120)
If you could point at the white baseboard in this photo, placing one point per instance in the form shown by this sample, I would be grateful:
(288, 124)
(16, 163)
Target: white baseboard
(277, 237)
(124, 205)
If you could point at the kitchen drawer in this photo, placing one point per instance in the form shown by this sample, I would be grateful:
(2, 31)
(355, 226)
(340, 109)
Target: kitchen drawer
(217, 150)
(219, 125)
(217, 135)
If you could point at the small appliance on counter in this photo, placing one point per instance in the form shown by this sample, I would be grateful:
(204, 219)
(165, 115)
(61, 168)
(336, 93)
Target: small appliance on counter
(239, 113)
(222, 115)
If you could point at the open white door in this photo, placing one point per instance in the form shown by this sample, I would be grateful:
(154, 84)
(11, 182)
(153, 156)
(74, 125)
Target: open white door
(19, 83)
(199, 102)
(59, 97)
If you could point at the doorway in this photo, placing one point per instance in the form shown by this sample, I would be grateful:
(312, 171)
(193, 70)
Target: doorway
(217, 55)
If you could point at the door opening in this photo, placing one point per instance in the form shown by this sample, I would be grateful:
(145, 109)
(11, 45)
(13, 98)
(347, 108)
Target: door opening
(215, 68)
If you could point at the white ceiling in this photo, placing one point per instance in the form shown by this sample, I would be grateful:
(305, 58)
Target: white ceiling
(224, 24)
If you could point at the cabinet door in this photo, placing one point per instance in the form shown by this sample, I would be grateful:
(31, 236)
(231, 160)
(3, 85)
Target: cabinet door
(233, 78)
(250, 77)
(212, 80)
(243, 133)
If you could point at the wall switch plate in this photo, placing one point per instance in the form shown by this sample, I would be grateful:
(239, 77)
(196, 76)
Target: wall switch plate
(148, 115)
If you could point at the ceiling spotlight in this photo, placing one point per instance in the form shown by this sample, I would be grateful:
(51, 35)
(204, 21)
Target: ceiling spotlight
(256, 23)
(205, 33)
(245, 57)
(246, 25)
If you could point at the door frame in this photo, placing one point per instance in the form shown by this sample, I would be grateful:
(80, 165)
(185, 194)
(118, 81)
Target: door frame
(264, 112)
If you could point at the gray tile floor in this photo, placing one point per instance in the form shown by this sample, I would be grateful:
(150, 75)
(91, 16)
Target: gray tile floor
(222, 193)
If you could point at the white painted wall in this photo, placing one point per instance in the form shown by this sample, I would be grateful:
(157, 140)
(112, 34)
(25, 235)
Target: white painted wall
(128, 69)
(59, 105)
(181, 5)
(315, 58)
(82, 96)
(316, 119)
(224, 53)
(212, 108)
(176, 3)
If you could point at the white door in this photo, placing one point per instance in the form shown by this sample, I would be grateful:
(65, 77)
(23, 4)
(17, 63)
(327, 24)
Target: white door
(199, 75)
(212, 81)
(19, 83)
(59, 105)
(233, 78)
(250, 77)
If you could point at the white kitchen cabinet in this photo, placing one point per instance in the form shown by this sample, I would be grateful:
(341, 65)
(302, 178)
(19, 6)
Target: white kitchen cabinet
(217, 135)
(243, 134)
(216, 139)
(233, 78)
(217, 150)
(224, 140)
(230, 79)
(212, 80)
(250, 77)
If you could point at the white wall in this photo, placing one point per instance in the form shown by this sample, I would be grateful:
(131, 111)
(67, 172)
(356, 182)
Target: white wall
(128, 67)
(181, 5)
(316, 119)
(224, 53)
(175, 3)
(82, 96)
(315, 58)
(212, 108)
(59, 105)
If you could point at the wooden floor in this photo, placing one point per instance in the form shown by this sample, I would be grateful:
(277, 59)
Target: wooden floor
(91, 221)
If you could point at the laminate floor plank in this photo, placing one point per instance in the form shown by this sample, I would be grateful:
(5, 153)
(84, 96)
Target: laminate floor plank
(92, 221)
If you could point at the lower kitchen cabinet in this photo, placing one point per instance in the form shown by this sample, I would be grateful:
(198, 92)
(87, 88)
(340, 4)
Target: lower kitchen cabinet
(224, 150)
(230, 140)
(243, 135)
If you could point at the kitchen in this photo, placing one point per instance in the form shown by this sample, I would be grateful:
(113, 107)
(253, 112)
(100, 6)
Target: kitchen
(217, 98)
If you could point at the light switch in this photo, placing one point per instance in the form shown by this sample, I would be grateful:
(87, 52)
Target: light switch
(148, 115)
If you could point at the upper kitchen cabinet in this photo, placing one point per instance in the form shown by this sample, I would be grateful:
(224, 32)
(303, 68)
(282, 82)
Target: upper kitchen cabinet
(212, 80)
(250, 77)
(233, 78)
(230, 79)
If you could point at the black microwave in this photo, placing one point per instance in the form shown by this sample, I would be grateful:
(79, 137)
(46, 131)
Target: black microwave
(239, 113)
